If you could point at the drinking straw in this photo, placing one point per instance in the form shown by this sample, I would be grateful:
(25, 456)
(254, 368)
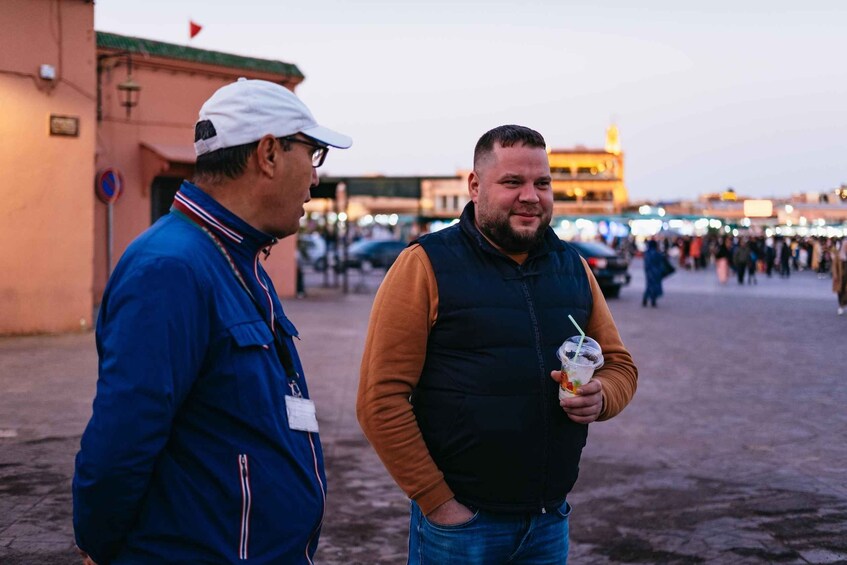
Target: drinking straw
(581, 338)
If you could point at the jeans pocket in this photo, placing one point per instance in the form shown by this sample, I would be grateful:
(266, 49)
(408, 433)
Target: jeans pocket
(452, 527)
(564, 510)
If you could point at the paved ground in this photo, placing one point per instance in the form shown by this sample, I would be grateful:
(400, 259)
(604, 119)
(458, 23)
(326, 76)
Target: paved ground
(733, 450)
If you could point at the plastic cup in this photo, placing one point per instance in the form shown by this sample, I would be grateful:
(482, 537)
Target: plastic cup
(578, 363)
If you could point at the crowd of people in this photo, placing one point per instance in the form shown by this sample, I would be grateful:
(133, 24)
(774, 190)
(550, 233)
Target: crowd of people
(749, 256)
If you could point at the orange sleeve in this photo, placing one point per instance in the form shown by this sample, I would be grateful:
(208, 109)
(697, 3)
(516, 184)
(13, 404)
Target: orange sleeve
(619, 373)
(403, 313)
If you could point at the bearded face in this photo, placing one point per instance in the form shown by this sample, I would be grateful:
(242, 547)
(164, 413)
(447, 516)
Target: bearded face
(511, 230)
(513, 197)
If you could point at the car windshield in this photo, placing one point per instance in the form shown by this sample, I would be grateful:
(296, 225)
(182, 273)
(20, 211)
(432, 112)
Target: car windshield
(360, 245)
(594, 248)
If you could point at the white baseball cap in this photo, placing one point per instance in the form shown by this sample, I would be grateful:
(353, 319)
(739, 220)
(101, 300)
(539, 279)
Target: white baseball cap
(246, 110)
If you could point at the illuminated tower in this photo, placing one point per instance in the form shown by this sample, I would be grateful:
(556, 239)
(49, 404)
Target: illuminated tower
(613, 140)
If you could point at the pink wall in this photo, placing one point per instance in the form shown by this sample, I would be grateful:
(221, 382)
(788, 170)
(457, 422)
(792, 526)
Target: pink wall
(171, 96)
(53, 229)
(46, 194)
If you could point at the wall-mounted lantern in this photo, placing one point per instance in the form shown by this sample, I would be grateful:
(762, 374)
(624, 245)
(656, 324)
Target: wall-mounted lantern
(128, 89)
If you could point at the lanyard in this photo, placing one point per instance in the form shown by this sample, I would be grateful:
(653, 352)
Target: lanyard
(282, 351)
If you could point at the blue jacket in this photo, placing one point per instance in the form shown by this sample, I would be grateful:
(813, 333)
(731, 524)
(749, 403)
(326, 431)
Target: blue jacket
(485, 403)
(188, 456)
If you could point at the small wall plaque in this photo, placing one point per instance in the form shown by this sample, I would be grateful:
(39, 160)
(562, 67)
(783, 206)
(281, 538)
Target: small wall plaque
(64, 125)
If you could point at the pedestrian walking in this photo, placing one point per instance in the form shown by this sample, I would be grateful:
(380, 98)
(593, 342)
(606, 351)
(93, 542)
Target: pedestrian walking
(785, 256)
(839, 275)
(770, 256)
(816, 259)
(656, 267)
(752, 261)
(740, 259)
(801, 257)
(203, 443)
(696, 251)
(722, 257)
(684, 244)
(458, 392)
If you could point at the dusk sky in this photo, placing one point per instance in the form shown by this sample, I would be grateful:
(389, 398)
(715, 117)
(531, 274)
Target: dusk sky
(747, 94)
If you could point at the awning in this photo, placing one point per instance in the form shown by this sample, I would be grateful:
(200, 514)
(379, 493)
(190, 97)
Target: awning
(181, 154)
(162, 159)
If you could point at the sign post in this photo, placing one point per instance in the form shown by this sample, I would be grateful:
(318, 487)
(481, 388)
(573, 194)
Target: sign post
(108, 185)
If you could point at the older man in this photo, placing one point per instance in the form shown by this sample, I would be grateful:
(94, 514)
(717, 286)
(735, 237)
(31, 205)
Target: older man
(456, 393)
(203, 444)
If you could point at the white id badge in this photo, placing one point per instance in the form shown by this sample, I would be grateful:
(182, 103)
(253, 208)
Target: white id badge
(301, 414)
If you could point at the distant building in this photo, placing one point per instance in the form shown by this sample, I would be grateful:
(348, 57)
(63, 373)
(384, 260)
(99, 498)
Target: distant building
(589, 181)
(585, 182)
(446, 197)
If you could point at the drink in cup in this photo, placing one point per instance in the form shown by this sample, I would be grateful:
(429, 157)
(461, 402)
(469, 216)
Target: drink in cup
(579, 361)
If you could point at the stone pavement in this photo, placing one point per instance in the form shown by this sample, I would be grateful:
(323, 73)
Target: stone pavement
(733, 450)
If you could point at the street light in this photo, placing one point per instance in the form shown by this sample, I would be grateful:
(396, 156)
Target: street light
(129, 89)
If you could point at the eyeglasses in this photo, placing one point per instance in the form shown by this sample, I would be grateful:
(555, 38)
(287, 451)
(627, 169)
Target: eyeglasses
(319, 153)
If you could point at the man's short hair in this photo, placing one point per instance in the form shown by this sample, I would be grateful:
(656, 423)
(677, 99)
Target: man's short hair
(506, 136)
(226, 163)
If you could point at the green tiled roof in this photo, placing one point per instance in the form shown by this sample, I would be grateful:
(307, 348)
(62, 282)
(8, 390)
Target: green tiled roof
(172, 51)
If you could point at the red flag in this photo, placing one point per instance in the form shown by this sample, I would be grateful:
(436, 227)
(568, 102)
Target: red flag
(193, 29)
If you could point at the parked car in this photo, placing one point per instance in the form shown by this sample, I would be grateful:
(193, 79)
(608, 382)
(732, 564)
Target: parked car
(373, 253)
(610, 269)
(312, 248)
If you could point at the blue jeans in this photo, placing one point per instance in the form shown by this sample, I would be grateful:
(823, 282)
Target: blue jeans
(490, 539)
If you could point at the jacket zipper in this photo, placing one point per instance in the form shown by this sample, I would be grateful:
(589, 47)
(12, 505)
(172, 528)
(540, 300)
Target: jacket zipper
(311, 439)
(540, 354)
(267, 291)
(323, 500)
(246, 499)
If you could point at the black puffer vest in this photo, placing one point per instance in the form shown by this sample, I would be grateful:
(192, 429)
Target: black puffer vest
(486, 405)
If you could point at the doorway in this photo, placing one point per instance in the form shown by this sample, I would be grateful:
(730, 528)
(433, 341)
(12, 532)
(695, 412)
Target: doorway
(162, 195)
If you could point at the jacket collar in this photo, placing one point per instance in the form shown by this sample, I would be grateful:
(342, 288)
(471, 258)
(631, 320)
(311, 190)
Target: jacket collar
(226, 226)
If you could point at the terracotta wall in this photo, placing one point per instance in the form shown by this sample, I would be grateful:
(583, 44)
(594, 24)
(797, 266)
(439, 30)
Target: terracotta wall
(46, 182)
(165, 115)
(53, 260)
